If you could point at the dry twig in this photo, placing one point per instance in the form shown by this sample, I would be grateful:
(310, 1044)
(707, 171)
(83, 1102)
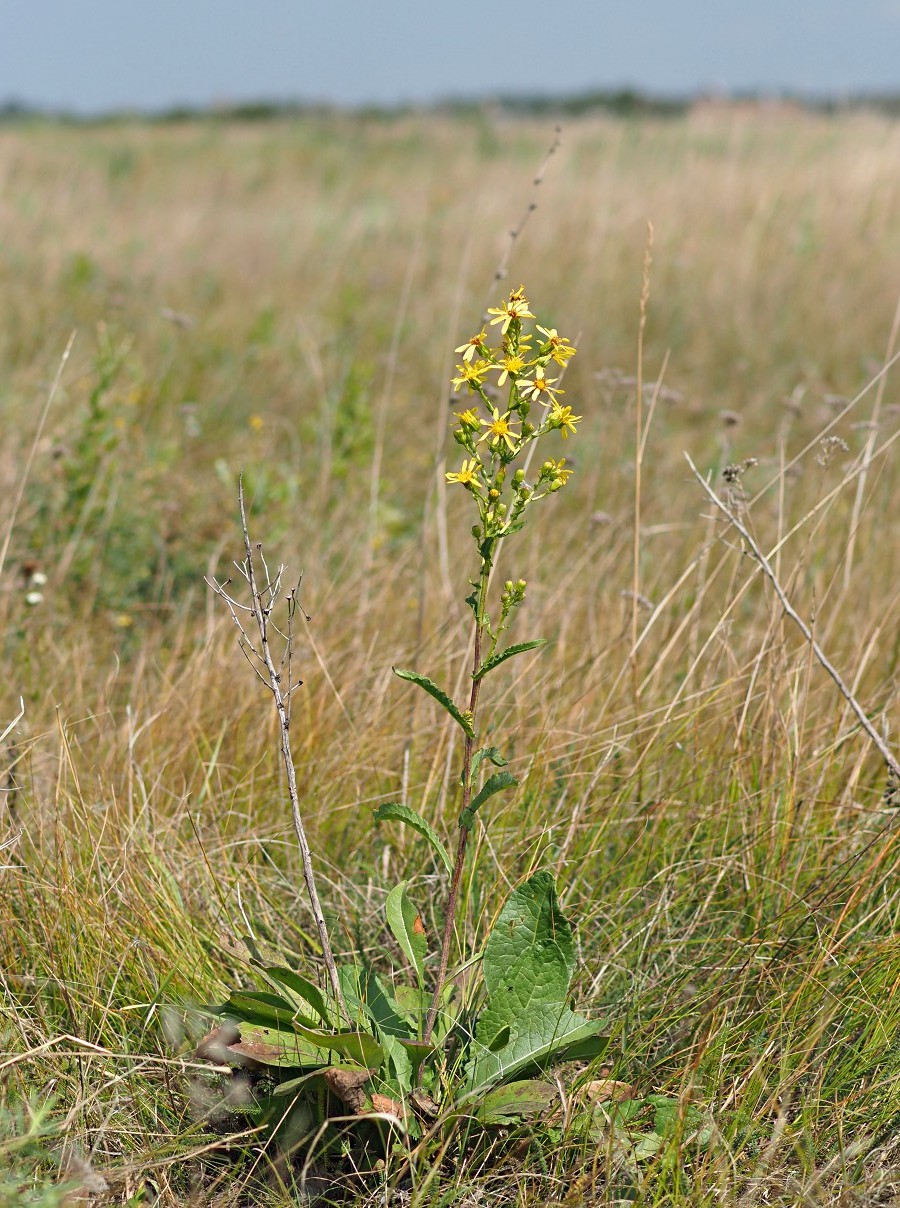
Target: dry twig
(277, 678)
(752, 545)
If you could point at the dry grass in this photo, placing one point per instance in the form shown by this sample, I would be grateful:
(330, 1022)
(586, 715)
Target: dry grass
(283, 298)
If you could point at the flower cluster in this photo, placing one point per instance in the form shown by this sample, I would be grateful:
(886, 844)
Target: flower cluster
(494, 435)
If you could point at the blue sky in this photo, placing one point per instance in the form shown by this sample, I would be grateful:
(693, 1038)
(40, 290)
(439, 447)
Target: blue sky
(90, 55)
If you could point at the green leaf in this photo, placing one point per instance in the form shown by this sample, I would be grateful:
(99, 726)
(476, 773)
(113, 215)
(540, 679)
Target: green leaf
(406, 924)
(478, 758)
(516, 1100)
(256, 1006)
(396, 811)
(439, 695)
(277, 1048)
(357, 1046)
(382, 1008)
(508, 653)
(310, 994)
(493, 784)
(528, 963)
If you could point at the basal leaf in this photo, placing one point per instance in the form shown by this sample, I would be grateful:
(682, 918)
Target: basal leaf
(257, 1006)
(359, 1047)
(516, 1100)
(277, 1048)
(439, 695)
(528, 963)
(529, 956)
(309, 993)
(508, 653)
(396, 811)
(405, 923)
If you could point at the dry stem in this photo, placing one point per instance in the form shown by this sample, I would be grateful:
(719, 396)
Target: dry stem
(262, 601)
(883, 749)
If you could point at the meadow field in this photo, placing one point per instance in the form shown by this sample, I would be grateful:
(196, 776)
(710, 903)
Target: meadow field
(283, 299)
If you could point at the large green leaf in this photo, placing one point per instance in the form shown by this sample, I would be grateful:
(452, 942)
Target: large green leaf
(528, 963)
(406, 924)
(395, 810)
(508, 653)
(439, 695)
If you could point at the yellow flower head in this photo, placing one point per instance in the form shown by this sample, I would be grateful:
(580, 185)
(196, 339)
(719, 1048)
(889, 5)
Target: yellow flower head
(514, 309)
(511, 366)
(540, 389)
(471, 374)
(559, 348)
(475, 344)
(468, 419)
(467, 475)
(498, 431)
(563, 419)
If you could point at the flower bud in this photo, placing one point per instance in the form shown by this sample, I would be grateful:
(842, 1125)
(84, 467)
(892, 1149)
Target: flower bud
(519, 477)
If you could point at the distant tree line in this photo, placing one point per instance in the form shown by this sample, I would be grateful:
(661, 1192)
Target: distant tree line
(619, 102)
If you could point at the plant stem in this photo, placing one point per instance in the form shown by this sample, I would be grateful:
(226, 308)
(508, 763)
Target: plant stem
(261, 616)
(462, 842)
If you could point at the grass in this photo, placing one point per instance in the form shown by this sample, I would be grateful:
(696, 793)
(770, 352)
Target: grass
(283, 298)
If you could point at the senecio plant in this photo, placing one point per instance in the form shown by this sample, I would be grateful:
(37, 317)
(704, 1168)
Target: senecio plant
(406, 1059)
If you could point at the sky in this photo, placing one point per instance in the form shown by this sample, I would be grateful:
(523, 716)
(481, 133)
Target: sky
(89, 56)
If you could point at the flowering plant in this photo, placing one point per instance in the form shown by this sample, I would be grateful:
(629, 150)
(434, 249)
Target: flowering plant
(398, 1056)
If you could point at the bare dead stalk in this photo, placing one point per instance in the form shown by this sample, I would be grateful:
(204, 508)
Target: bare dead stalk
(883, 749)
(259, 655)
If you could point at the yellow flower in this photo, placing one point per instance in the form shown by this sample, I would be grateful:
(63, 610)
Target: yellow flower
(476, 344)
(514, 309)
(556, 472)
(563, 419)
(537, 389)
(498, 430)
(467, 474)
(511, 365)
(468, 418)
(470, 374)
(559, 347)
(256, 422)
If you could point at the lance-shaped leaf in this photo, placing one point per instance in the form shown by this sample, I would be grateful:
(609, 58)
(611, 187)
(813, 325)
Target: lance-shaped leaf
(493, 784)
(357, 1046)
(396, 811)
(259, 1007)
(406, 924)
(439, 695)
(310, 994)
(502, 655)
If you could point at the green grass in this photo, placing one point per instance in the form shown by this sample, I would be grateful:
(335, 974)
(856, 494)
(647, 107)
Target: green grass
(715, 818)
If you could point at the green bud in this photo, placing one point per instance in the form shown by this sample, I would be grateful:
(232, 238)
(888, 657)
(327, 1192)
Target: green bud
(508, 584)
(556, 484)
(521, 585)
(519, 477)
(476, 532)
